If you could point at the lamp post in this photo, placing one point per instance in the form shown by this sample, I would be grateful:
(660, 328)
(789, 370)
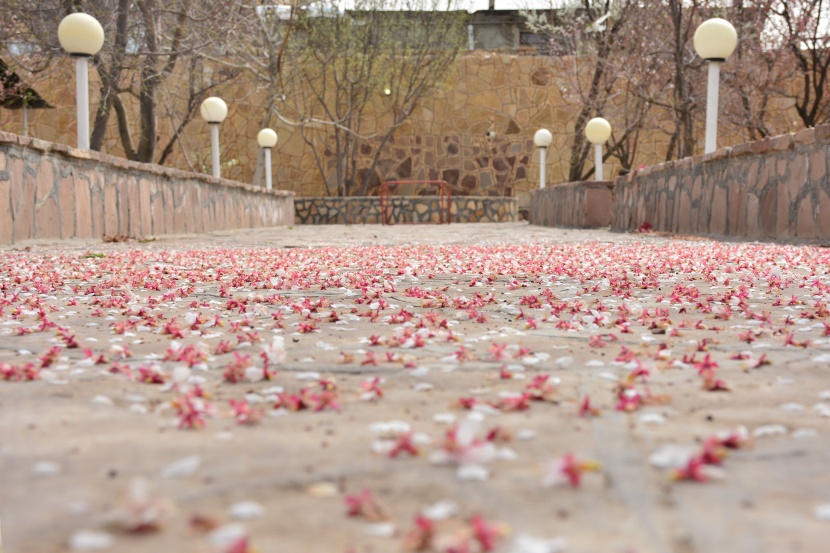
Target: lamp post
(715, 40)
(267, 139)
(542, 140)
(598, 131)
(214, 110)
(82, 37)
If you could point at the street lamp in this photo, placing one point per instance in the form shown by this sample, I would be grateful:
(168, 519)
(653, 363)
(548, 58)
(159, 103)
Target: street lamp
(598, 131)
(542, 140)
(267, 139)
(81, 36)
(214, 110)
(715, 40)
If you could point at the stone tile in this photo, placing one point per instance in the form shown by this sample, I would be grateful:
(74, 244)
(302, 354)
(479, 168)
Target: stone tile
(6, 226)
(45, 178)
(111, 216)
(133, 207)
(97, 201)
(168, 201)
(768, 212)
(83, 208)
(823, 215)
(798, 176)
(66, 207)
(158, 219)
(717, 217)
(123, 186)
(753, 216)
(783, 225)
(23, 200)
(818, 167)
(47, 218)
(806, 220)
(736, 224)
(145, 227)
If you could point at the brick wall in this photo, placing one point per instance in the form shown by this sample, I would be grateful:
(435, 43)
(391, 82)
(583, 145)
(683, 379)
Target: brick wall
(59, 192)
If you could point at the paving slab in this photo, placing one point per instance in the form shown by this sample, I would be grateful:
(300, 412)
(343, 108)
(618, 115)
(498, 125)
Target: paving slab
(479, 387)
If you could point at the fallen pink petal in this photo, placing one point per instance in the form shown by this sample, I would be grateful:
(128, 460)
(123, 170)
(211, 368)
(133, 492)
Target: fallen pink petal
(462, 388)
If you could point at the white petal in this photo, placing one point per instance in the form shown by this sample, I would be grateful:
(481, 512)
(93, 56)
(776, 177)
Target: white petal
(46, 468)
(441, 510)
(182, 467)
(527, 544)
(473, 472)
(227, 535)
(380, 529)
(769, 430)
(245, 510)
(87, 540)
(822, 511)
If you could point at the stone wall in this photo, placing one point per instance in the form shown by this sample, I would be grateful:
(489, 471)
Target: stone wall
(773, 188)
(573, 205)
(474, 132)
(403, 209)
(59, 192)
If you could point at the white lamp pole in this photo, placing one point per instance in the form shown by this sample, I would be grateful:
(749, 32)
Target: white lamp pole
(267, 139)
(214, 110)
(598, 131)
(542, 139)
(81, 36)
(715, 40)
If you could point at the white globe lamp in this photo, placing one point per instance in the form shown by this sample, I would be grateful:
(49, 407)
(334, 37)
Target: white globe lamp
(542, 139)
(598, 131)
(214, 110)
(81, 36)
(715, 40)
(267, 139)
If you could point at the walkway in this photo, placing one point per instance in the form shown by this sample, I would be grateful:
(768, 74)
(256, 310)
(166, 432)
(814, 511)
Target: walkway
(192, 393)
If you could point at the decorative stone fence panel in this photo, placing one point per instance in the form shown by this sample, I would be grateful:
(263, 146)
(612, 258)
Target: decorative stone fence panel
(573, 204)
(403, 209)
(59, 192)
(772, 188)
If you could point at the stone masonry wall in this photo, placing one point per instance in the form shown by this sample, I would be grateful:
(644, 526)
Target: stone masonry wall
(475, 132)
(773, 188)
(573, 205)
(403, 209)
(59, 192)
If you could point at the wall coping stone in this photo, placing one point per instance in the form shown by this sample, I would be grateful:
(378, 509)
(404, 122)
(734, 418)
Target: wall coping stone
(783, 142)
(768, 144)
(805, 136)
(610, 184)
(121, 163)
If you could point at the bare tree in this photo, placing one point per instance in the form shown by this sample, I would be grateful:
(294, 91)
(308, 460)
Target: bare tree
(326, 68)
(802, 29)
(140, 63)
(754, 77)
(593, 38)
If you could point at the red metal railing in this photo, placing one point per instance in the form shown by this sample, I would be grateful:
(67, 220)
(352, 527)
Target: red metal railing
(444, 199)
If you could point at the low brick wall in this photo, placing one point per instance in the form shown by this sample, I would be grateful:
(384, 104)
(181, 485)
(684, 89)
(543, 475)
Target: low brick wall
(573, 205)
(773, 188)
(404, 209)
(59, 192)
